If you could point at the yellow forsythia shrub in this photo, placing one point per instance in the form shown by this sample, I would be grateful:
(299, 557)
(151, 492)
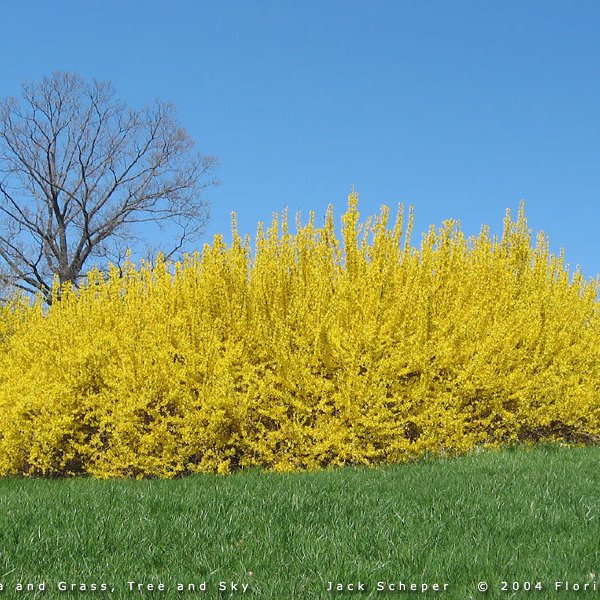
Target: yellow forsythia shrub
(303, 351)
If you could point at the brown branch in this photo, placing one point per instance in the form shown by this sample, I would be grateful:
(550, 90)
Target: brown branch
(80, 171)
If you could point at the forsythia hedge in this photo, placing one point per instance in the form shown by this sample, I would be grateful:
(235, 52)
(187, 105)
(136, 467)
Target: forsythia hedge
(302, 352)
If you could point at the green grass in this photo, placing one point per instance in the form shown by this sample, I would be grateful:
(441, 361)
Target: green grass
(512, 516)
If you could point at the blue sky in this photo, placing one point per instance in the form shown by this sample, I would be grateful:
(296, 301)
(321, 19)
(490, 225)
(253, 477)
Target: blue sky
(461, 109)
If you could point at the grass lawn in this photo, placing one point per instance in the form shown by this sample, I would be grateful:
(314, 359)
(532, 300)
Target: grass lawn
(516, 516)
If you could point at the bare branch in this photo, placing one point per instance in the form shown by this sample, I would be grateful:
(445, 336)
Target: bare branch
(80, 172)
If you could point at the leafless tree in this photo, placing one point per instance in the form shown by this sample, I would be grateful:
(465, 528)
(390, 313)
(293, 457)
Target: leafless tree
(80, 171)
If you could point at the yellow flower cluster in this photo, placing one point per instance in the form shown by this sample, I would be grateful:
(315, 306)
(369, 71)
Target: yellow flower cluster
(301, 352)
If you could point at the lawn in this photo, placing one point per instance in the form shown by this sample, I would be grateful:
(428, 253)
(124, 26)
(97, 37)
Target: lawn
(529, 518)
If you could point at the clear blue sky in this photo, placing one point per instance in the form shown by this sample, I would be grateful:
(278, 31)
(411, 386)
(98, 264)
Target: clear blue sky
(461, 109)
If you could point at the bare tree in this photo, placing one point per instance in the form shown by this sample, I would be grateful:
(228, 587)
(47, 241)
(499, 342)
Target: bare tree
(79, 171)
